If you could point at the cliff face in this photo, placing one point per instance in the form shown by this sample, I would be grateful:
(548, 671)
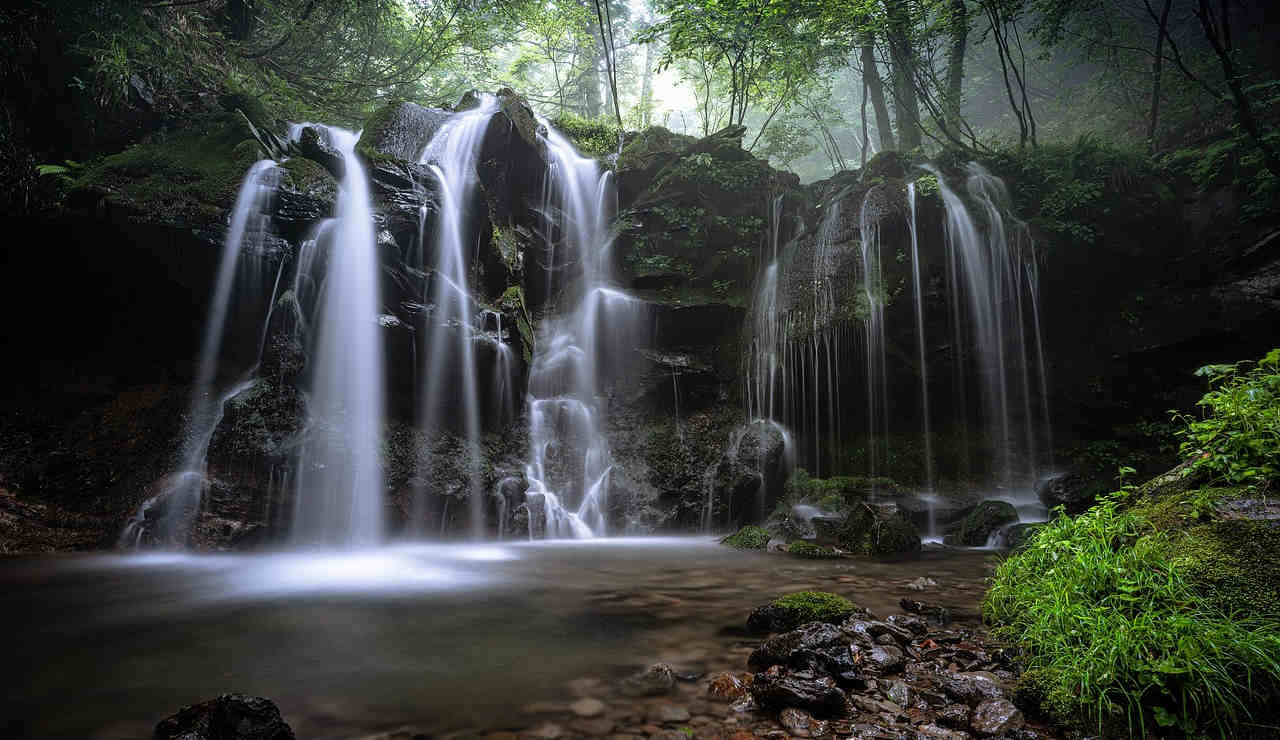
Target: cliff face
(119, 277)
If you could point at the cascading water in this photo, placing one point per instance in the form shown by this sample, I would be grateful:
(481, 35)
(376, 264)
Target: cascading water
(340, 477)
(993, 281)
(452, 154)
(877, 374)
(578, 353)
(181, 496)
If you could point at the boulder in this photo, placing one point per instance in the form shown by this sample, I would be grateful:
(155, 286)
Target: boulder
(995, 717)
(870, 529)
(775, 690)
(314, 144)
(305, 194)
(985, 520)
(1076, 492)
(790, 611)
(400, 130)
(228, 717)
(778, 650)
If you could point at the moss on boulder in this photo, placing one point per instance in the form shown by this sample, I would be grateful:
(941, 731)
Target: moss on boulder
(985, 519)
(749, 537)
(874, 530)
(187, 178)
(790, 611)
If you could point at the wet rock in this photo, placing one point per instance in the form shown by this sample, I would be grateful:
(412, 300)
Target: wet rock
(973, 687)
(547, 731)
(728, 686)
(871, 529)
(228, 717)
(935, 732)
(305, 193)
(796, 721)
(986, 519)
(901, 694)
(1018, 534)
(913, 624)
(777, 650)
(314, 144)
(587, 707)
(1074, 491)
(655, 680)
(400, 130)
(882, 659)
(955, 716)
(775, 690)
(995, 717)
(922, 583)
(793, 610)
(932, 612)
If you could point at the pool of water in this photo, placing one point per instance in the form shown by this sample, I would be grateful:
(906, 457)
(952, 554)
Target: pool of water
(433, 637)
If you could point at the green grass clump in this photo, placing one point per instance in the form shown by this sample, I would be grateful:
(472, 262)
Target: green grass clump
(594, 137)
(815, 606)
(1116, 630)
(810, 550)
(749, 537)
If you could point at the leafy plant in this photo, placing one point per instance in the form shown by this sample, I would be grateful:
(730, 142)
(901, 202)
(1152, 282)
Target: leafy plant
(1238, 438)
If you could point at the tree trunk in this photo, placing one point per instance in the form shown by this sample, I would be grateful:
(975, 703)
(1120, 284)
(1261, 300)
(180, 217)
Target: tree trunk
(1218, 33)
(871, 78)
(646, 88)
(1156, 71)
(955, 61)
(905, 106)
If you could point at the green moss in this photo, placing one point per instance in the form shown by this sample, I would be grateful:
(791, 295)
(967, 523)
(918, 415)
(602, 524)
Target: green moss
(639, 150)
(308, 176)
(748, 538)
(374, 130)
(593, 137)
(986, 518)
(836, 493)
(815, 606)
(810, 550)
(191, 176)
(512, 301)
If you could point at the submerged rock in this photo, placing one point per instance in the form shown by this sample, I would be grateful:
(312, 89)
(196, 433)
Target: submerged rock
(228, 717)
(655, 680)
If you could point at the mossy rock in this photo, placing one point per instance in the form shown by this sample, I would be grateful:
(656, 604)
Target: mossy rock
(888, 165)
(749, 537)
(874, 530)
(985, 519)
(399, 131)
(837, 493)
(790, 611)
(185, 178)
(640, 150)
(810, 550)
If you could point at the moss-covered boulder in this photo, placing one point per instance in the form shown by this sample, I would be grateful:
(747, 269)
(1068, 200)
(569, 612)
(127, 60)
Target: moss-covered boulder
(305, 193)
(1020, 534)
(875, 530)
(791, 611)
(399, 130)
(749, 537)
(986, 519)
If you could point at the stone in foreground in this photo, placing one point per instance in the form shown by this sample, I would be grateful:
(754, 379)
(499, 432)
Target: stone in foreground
(228, 717)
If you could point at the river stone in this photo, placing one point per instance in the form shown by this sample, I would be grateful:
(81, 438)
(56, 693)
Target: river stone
(228, 717)
(883, 659)
(595, 727)
(587, 707)
(955, 716)
(773, 690)
(655, 680)
(995, 717)
(797, 721)
(900, 693)
(987, 518)
(973, 687)
(935, 732)
(1074, 491)
(777, 650)
(727, 686)
(915, 625)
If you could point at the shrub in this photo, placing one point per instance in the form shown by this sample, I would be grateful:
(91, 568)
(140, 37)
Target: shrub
(1238, 438)
(749, 537)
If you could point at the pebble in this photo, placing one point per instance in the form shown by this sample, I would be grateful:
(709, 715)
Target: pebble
(668, 714)
(593, 727)
(547, 731)
(587, 707)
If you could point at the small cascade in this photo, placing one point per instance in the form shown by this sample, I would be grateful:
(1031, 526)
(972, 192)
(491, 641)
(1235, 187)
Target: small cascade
(180, 498)
(579, 352)
(877, 374)
(995, 305)
(918, 293)
(450, 345)
(340, 477)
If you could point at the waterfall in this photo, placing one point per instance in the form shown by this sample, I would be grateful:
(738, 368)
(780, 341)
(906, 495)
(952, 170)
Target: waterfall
(918, 293)
(578, 352)
(340, 477)
(181, 494)
(877, 375)
(452, 154)
(993, 283)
